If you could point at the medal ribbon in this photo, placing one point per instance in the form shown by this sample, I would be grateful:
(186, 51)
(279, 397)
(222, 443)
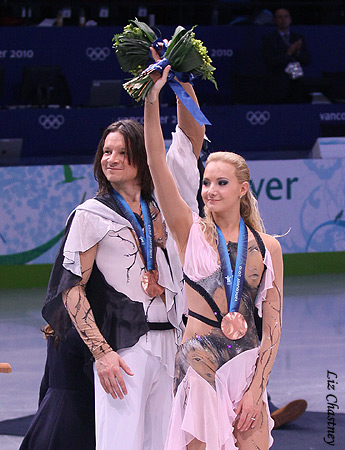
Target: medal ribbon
(233, 284)
(146, 240)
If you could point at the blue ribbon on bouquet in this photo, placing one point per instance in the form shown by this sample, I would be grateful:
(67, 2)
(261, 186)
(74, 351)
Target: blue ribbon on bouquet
(184, 97)
(160, 46)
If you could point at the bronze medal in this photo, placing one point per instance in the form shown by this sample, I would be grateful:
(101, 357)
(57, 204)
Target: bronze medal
(234, 326)
(149, 282)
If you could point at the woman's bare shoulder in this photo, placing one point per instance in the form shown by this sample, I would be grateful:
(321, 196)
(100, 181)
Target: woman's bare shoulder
(271, 242)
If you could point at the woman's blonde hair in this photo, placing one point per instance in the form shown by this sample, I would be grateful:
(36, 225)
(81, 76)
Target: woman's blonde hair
(249, 209)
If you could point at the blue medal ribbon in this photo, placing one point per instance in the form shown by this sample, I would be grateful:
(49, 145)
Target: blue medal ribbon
(233, 283)
(185, 98)
(146, 240)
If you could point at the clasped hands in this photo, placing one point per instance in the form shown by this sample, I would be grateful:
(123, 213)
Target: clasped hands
(295, 47)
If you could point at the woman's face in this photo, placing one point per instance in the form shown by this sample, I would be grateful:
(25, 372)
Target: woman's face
(220, 188)
(204, 363)
(114, 162)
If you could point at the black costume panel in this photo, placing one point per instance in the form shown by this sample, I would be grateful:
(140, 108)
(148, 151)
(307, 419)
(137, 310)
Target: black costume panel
(65, 417)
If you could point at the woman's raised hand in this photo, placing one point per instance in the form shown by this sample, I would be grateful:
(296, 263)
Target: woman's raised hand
(153, 93)
(158, 79)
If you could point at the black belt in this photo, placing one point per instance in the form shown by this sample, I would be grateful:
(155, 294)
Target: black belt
(212, 323)
(160, 326)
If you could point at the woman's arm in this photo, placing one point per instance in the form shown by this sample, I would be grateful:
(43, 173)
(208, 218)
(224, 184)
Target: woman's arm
(108, 362)
(185, 120)
(176, 212)
(272, 308)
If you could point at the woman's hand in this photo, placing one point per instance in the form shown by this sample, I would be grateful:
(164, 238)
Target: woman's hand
(247, 411)
(109, 368)
(159, 80)
(155, 55)
(153, 93)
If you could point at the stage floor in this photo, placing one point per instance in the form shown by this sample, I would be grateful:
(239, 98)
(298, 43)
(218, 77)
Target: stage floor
(312, 344)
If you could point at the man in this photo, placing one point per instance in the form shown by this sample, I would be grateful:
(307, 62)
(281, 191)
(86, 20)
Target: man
(281, 48)
(122, 288)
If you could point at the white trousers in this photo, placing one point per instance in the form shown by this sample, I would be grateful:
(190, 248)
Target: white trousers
(139, 421)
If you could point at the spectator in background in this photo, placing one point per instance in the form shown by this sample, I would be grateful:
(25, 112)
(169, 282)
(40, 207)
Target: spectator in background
(283, 49)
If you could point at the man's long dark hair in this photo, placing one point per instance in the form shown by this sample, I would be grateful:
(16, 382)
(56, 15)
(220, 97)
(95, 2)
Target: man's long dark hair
(133, 134)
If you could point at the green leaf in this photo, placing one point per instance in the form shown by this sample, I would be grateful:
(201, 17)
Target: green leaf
(191, 61)
(132, 53)
(149, 33)
(178, 33)
(181, 54)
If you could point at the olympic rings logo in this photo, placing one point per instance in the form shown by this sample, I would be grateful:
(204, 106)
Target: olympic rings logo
(51, 122)
(258, 117)
(97, 53)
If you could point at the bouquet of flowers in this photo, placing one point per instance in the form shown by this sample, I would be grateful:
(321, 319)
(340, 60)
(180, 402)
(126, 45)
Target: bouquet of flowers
(187, 56)
(132, 46)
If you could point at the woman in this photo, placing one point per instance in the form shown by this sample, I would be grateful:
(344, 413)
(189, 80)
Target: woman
(221, 370)
(66, 414)
(121, 283)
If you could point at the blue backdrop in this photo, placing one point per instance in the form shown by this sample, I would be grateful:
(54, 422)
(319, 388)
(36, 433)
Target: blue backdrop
(256, 129)
(86, 54)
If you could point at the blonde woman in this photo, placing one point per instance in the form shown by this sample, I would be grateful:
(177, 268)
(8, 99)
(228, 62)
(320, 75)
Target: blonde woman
(231, 267)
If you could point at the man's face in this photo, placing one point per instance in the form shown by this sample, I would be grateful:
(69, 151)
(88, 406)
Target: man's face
(282, 19)
(115, 164)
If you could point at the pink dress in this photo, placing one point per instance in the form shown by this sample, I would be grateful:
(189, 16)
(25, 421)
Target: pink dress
(212, 372)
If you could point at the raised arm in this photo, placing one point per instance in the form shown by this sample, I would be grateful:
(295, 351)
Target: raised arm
(188, 124)
(176, 212)
(185, 120)
(108, 362)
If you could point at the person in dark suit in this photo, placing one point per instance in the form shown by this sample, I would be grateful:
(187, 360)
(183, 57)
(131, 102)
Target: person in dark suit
(280, 48)
(65, 418)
